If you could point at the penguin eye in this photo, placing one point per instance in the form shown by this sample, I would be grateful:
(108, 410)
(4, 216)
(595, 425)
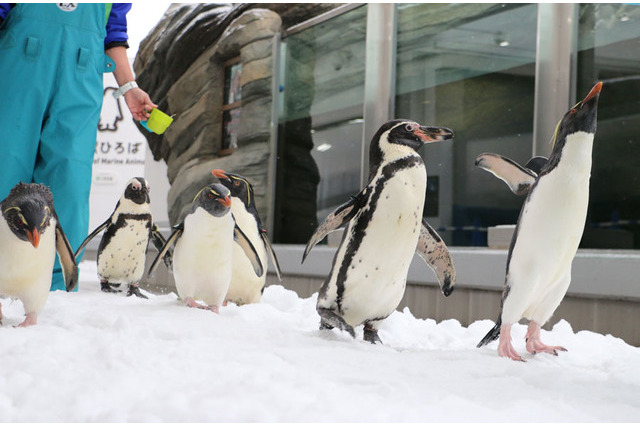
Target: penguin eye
(410, 127)
(210, 195)
(236, 183)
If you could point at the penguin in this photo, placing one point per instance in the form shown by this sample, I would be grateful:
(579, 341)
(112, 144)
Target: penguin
(123, 247)
(203, 252)
(245, 286)
(384, 227)
(30, 235)
(549, 228)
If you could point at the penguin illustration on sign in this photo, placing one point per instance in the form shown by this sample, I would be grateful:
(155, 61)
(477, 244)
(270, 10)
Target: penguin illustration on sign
(123, 247)
(549, 228)
(384, 227)
(203, 253)
(245, 286)
(30, 235)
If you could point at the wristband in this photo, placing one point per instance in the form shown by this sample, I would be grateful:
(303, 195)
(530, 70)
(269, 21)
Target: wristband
(124, 89)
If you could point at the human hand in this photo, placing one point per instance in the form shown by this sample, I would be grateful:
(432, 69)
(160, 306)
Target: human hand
(139, 103)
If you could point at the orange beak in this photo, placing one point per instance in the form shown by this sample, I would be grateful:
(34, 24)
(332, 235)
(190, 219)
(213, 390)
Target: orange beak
(226, 201)
(34, 237)
(594, 92)
(219, 173)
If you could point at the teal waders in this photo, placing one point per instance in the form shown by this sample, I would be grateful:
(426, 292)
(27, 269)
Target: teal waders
(51, 64)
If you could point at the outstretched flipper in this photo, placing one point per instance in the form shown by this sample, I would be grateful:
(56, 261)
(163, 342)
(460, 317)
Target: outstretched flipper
(435, 253)
(90, 237)
(177, 232)
(67, 259)
(330, 318)
(274, 259)
(492, 335)
(520, 179)
(535, 164)
(335, 220)
(249, 250)
(159, 242)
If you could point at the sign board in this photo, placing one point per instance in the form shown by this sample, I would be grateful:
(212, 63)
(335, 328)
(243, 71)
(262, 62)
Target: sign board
(119, 154)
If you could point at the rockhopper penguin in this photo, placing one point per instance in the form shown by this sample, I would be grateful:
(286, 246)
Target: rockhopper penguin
(202, 257)
(245, 286)
(30, 234)
(123, 247)
(384, 227)
(549, 228)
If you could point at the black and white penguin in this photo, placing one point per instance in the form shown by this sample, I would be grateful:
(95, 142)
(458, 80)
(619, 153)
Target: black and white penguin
(245, 286)
(384, 227)
(203, 252)
(30, 236)
(123, 247)
(549, 228)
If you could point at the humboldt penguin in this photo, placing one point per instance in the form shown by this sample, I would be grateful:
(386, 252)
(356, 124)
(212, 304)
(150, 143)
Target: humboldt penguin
(203, 253)
(245, 286)
(549, 228)
(30, 234)
(384, 227)
(123, 247)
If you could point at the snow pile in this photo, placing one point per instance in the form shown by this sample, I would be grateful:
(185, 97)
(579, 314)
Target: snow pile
(101, 357)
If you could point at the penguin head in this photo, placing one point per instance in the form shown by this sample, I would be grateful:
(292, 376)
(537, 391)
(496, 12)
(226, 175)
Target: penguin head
(398, 137)
(214, 199)
(137, 190)
(28, 210)
(581, 118)
(237, 185)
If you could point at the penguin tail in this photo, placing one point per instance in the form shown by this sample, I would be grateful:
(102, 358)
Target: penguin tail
(492, 335)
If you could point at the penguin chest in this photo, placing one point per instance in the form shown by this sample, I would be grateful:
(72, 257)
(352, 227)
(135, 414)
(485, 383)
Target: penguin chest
(25, 271)
(246, 286)
(202, 257)
(376, 256)
(121, 255)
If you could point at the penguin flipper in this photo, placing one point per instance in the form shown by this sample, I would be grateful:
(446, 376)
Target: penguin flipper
(520, 179)
(92, 235)
(435, 253)
(159, 242)
(248, 249)
(335, 220)
(67, 259)
(177, 232)
(267, 244)
(536, 164)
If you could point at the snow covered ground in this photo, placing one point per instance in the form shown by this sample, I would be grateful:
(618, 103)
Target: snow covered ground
(101, 357)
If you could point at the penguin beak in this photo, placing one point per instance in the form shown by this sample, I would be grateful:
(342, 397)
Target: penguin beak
(34, 237)
(220, 174)
(226, 201)
(433, 134)
(595, 91)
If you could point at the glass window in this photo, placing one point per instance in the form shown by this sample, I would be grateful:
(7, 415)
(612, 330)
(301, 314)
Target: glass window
(232, 108)
(320, 123)
(609, 51)
(469, 67)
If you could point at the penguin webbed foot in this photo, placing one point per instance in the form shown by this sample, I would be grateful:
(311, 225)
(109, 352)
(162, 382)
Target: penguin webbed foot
(535, 345)
(135, 290)
(329, 319)
(107, 287)
(371, 335)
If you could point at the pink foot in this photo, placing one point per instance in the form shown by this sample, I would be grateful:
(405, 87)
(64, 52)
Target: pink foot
(31, 319)
(214, 308)
(193, 304)
(225, 302)
(535, 345)
(505, 348)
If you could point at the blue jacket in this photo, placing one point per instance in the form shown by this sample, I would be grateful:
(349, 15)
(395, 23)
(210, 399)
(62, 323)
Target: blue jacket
(116, 24)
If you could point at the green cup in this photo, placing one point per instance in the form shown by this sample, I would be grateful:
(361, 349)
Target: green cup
(158, 121)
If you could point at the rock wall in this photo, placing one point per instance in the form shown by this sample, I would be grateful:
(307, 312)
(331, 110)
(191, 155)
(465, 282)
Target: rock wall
(181, 65)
